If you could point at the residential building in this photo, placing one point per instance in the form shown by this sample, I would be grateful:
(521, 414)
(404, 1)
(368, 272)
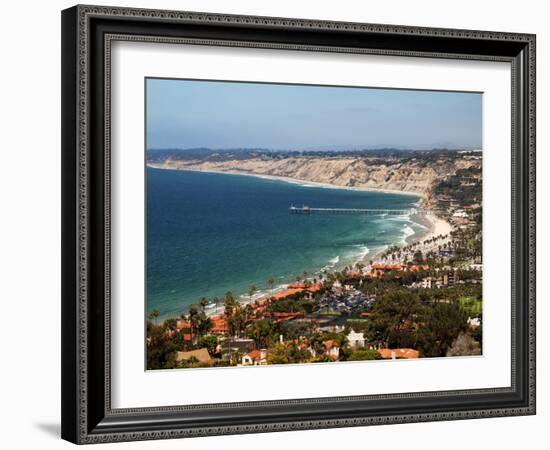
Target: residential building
(356, 339)
(255, 358)
(395, 353)
(331, 349)
(240, 345)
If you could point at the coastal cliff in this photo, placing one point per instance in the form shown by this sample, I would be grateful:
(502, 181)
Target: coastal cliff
(413, 175)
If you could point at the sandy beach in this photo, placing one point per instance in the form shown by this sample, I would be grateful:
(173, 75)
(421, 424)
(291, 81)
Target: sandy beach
(438, 227)
(435, 226)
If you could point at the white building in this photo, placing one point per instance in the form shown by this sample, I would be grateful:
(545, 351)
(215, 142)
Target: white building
(473, 323)
(255, 358)
(356, 339)
(427, 282)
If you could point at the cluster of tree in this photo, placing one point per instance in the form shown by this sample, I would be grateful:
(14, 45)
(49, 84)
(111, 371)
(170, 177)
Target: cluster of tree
(160, 347)
(200, 322)
(291, 304)
(363, 354)
(466, 243)
(289, 353)
(464, 186)
(405, 318)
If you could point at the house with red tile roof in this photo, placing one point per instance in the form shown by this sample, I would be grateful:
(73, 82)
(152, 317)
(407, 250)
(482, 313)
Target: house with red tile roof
(219, 325)
(255, 358)
(332, 350)
(305, 287)
(394, 353)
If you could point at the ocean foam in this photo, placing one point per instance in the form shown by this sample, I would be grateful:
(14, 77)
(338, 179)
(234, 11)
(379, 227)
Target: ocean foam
(334, 260)
(407, 232)
(363, 252)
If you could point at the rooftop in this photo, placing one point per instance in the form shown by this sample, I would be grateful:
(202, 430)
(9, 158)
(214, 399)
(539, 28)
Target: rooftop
(201, 354)
(391, 353)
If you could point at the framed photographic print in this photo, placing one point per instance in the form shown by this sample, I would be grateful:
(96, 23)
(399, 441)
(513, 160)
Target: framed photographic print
(280, 224)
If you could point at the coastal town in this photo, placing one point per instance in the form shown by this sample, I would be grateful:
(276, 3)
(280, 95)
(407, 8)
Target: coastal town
(417, 300)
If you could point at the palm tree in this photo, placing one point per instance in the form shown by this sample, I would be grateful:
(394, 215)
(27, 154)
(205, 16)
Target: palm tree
(247, 313)
(203, 303)
(251, 291)
(194, 318)
(271, 283)
(153, 315)
(170, 324)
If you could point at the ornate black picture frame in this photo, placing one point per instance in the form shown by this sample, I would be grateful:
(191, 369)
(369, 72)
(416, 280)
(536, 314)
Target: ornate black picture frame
(87, 33)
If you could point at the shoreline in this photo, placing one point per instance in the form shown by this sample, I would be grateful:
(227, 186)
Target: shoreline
(434, 226)
(290, 180)
(438, 227)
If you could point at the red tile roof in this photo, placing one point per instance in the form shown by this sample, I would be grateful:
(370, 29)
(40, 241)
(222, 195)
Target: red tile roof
(408, 353)
(255, 354)
(218, 325)
(182, 324)
(303, 286)
(388, 266)
(416, 268)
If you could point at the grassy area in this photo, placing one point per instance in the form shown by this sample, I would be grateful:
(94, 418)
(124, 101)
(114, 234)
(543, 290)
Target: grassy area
(471, 305)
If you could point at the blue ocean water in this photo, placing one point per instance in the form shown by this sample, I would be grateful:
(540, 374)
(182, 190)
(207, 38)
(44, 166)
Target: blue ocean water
(209, 233)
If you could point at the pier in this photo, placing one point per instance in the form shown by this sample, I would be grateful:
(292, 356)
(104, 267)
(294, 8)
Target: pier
(391, 212)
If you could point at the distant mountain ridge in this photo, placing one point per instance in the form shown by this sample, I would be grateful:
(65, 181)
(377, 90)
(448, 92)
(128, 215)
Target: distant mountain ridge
(203, 153)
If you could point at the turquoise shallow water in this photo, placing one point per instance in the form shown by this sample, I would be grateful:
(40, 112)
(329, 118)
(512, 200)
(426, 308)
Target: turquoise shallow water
(209, 233)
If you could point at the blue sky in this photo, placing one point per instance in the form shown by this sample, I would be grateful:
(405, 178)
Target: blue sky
(190, 114)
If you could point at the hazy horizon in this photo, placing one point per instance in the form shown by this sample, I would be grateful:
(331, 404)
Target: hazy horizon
(191, 114)
(328, 148)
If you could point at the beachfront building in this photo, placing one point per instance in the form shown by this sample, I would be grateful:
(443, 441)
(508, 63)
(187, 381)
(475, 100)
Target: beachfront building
(255, 358)
(356, 340)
